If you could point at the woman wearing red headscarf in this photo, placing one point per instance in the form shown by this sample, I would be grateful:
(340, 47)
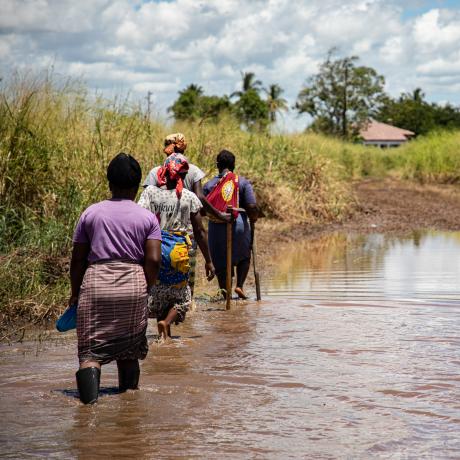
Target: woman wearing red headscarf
(176, 143)
(178, 211)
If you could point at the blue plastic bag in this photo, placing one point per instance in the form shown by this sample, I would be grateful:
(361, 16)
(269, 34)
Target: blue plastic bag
(68, 320)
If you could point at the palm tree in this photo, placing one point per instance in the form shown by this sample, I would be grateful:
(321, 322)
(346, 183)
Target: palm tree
(196, 90)
(186, 106)
(248, 83)
(275, 103)
(418, 95)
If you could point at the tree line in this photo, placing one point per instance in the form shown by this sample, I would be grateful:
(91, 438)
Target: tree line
(247, 105)
(341, 98)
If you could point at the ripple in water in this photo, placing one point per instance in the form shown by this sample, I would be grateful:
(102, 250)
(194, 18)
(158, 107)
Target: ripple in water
(353, 353)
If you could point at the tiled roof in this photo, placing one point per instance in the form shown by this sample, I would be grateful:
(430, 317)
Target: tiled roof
(376, 131)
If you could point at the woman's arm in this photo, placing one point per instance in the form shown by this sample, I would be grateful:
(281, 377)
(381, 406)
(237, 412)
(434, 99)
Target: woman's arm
(208, 207)
(152, 261)
(201, 238)
(253, 212)
(78, 265)
(248, 201)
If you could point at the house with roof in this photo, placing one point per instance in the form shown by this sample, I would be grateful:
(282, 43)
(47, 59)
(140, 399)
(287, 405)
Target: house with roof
(384, 135)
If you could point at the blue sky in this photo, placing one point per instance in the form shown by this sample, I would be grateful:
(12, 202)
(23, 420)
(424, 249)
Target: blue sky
(127, 46)
(416, 8)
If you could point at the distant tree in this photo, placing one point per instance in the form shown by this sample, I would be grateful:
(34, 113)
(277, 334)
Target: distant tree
(210, 107)
(342, 96)
(275, 103)
(446, 116)
(193, 104)
(252, 110)
(248, 83)
(186, 106)
(417, 95)
(409, 111)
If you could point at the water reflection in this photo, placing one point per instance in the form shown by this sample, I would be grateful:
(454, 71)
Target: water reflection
(420, 267)
(353, 353)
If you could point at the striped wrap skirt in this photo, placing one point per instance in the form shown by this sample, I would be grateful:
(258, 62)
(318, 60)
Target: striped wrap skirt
(112, 313)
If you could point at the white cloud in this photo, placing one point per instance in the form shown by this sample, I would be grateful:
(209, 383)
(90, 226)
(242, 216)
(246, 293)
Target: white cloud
(437, 30)
(441, 67)
(393, 50)
(162, 46)
(155, 87)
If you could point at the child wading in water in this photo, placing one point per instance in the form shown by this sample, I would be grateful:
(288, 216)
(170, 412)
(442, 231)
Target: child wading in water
(177, 209)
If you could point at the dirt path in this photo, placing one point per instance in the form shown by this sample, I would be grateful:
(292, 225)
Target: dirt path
(395, 206)
(382, 206)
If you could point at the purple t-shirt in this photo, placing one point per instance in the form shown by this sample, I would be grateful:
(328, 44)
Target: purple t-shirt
(116, 229)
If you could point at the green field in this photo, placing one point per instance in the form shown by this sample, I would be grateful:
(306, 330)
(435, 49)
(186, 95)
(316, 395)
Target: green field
(56, 141)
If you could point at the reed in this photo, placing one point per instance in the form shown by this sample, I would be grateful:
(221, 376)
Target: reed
(56, 141)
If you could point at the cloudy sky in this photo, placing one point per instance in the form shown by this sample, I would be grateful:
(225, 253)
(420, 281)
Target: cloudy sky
(121, 46)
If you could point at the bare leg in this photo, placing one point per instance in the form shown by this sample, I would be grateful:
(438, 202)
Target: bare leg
(221, 278)
(85, 364)
(242, 270)
(164, 326)
(241, 294)
(161, 329)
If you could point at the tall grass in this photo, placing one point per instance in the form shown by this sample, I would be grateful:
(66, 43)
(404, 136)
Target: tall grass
(434, 158)
(56, 141)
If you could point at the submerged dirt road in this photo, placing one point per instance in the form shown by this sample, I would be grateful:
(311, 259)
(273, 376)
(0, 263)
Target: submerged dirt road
(386, 206)
(353, 353)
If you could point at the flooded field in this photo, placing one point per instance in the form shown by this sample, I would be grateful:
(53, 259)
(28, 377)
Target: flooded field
(354, 352)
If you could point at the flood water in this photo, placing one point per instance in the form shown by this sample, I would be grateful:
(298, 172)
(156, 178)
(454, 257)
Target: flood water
(354, 352)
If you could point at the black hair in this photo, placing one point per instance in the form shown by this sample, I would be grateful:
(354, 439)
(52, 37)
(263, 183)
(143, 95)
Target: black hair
(124, 172)
(226, 160)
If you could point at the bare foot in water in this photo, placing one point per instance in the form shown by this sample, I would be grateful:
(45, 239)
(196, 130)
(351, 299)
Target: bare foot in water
(162, 330)
(240, 293)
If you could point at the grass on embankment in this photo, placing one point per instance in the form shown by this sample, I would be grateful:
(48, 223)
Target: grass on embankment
(434, 158)
(56, 142)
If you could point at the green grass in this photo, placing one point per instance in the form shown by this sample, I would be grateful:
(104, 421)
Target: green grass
(434, 158)
(56, 141)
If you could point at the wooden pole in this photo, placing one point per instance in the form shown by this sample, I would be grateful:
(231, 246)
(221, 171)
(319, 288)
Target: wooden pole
(254, 262)
(228, 284)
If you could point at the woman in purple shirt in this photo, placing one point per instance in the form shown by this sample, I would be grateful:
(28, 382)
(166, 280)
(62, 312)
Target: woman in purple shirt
(115, 261)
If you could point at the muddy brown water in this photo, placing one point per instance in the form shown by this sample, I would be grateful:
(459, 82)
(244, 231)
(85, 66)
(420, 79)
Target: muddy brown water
(353, 353)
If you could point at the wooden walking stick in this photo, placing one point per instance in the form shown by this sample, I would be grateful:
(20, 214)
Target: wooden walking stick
(228, 284)
(254, 261)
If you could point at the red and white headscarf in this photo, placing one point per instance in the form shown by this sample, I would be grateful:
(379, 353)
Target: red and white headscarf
(175, 165)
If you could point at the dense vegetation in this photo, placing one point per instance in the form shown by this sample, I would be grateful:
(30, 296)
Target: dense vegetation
(56, 141)
(411, 111)
(340, 98)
